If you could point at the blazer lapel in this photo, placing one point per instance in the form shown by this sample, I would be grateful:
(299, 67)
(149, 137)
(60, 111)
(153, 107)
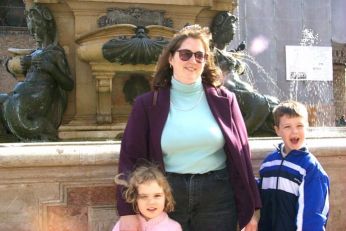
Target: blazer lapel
(219, 106)
(157, 116)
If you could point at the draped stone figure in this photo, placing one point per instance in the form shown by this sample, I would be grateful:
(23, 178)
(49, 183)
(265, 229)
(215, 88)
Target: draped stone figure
(34, 109)
(255, 107)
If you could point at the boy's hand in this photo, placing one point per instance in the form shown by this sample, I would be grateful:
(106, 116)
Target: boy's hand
(129, 223)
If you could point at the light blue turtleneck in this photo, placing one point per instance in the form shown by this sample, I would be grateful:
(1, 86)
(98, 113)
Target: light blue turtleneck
(192, 141)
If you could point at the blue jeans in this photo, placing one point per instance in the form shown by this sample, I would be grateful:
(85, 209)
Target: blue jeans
(204, 202)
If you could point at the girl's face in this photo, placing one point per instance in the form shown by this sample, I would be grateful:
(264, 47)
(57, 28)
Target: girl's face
(189, 70)
(292, 131)
(150, 200)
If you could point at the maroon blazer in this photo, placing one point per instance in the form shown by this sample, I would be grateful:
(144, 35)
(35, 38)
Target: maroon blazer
(142, 140)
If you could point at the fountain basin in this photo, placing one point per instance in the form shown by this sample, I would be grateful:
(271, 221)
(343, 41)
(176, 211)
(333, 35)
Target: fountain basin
(71, 183)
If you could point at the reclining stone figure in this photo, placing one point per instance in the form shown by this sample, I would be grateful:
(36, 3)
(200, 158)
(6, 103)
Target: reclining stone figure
(33, 111)
(255, 107)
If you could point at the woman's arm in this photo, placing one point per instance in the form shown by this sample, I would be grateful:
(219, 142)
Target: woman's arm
(243, 136)
(252, 225)
(134, 147)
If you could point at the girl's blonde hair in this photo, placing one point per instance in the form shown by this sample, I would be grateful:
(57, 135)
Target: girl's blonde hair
(143, 174)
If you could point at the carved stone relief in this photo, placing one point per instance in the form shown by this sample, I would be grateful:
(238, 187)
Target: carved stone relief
(135, 16)
(139, 49)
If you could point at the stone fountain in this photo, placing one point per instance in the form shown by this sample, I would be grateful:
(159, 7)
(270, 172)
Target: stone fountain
(55, 186)
(101, 100)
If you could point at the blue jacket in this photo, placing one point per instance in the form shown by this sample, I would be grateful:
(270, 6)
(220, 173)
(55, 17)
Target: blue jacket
(294, 192)
(142, 140)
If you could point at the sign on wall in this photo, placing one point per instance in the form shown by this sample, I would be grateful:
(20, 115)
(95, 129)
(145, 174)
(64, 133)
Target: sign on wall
(309, 63)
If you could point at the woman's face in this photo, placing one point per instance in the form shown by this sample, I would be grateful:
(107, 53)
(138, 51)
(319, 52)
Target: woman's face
(188, 71)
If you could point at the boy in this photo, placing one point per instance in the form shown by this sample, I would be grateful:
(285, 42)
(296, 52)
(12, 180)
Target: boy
(294, 187)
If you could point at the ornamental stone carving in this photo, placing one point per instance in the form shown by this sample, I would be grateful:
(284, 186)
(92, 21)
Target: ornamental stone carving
(134, 16)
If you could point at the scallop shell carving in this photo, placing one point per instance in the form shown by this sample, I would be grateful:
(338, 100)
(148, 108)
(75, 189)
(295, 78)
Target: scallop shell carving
(139, 49)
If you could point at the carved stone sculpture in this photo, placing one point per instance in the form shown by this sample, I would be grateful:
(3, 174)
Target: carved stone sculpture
(139, 49)
(134, 16)
(256, 108)
(34, 109)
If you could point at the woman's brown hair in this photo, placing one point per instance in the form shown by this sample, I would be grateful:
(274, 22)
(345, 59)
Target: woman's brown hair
(163, 74)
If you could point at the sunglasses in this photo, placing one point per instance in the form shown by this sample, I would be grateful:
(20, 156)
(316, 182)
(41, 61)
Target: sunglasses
(185, 54)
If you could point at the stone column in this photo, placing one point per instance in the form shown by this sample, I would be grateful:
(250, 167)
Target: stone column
(339, 82)
(339, 78)
(104, 94)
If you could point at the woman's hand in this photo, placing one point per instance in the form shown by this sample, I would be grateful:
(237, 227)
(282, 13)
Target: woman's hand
(252, 225)
(129, 223)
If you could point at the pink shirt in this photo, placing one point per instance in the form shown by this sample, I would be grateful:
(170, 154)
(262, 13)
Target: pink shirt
(159, 223)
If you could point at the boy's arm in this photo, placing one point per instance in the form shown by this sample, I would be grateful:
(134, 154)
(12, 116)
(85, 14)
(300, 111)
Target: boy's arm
(313, 202)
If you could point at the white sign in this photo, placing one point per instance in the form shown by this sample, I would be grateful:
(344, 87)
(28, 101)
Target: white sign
(309, 63)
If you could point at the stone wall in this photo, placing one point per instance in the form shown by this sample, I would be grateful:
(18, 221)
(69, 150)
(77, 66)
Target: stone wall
(58, 186)
(69, 186)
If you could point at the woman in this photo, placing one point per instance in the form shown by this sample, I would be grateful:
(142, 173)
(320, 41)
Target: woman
(194, 130)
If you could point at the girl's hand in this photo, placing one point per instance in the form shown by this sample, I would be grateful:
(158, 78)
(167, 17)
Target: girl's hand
(129, 223)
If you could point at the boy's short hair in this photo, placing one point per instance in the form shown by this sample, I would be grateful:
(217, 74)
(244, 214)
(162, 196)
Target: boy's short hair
(290, 108)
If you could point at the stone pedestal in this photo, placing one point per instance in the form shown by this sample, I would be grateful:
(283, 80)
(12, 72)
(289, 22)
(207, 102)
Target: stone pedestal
(58, 186)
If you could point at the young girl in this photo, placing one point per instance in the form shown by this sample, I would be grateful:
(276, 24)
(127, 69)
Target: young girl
(149, 192)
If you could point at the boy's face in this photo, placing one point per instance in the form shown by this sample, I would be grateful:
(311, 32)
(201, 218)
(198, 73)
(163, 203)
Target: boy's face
(292, 131)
